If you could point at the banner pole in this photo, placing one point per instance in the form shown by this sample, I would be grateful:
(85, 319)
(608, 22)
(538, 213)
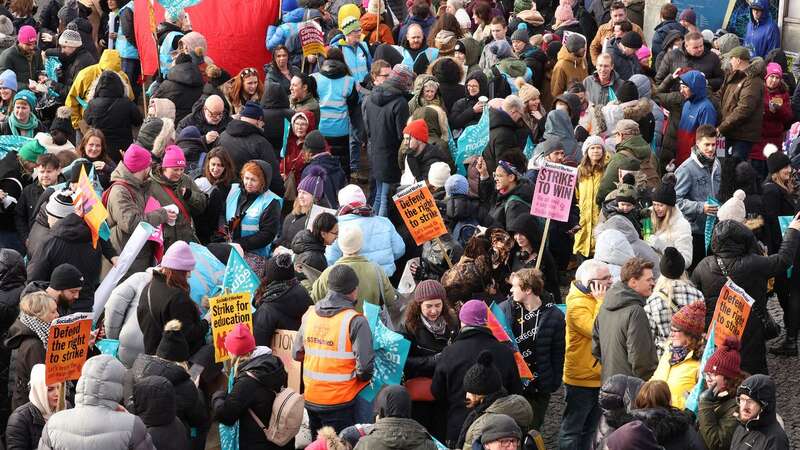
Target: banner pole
(378, 27)
(541, 246)
(444, 251)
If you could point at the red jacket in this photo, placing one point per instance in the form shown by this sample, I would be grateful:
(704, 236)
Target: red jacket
(293, 161)
(775, 123)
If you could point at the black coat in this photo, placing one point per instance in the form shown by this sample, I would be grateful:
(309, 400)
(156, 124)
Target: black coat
(197, 118)
(207, 222)
(154, 403)
(308, 250)
(184, 85)
(113, 113)
(776, 202)
(190, 407)
(25, 211)
(276, 108)
(24, 428)
(268, 224)
(168, 303)
(292, 224)
(505, 135)
(281, 307)
(30, 351)
(425, 349)
(253, 388)
(674, 429)
(506, 207)
(244, 141)
(456, 359)
(12, 281)
(736, 246)
(192, 149)
(333, 181)
(385, 113)
(421, 164)
(70, 66)
(11, 177)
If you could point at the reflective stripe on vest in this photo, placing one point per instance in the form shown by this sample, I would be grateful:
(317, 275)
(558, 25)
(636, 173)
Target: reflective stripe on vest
(251, 217)
(408, 61)
(329, 364)
(334, 118)
(125, 49)
(356, 59)
(165, 57)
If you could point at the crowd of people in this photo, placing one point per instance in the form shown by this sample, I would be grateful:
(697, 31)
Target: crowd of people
(685, 147)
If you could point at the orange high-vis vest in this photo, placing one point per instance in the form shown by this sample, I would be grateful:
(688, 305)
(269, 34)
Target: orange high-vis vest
(329, 365)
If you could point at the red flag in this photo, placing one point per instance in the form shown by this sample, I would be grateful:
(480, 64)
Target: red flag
(500, 334)
(145, 17)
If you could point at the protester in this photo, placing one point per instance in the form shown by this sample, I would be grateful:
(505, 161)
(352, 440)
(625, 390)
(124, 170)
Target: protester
(94, 148)
(281, 300)
(672, 427)
(394, 427)
(111, 112)
(758, 424)
(309, 246)
(154, 403)
(719, 401)
(25, 425)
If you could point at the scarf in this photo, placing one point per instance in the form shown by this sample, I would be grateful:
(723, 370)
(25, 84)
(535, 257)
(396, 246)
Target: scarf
(27, 127)
(677, 354)
(357, 208)
(438, 327)
(36, 325)
(708, 163)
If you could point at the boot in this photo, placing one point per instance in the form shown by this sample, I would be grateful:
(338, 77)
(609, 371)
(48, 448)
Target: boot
(786, 348)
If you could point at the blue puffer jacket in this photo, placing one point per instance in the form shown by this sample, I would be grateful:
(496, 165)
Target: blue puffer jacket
(382, 244)
(279, 35)
(763, 36)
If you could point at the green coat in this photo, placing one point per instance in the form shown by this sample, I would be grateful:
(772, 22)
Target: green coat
(370, 277)
(194, 205)
(394, 433)
(514, 406)
(25, 68)
(642, 155)
(717, 422)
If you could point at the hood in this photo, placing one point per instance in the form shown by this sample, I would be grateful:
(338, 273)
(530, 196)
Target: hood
(399, 433)
(696, 82)
(419, 84)
(100, 383)
(72, 229)
(147, 365)
(472, 50)
(110, 60)
(389, 54)
(393, 401)
(383, 95)
(109, 85)
(528, 226)
(764, 5)
(304, 242)
(727, 42)
(240, 128)
(612, 247)
(513, 67)
(288, 298)
(618, 392)
(369, 22)
(514, 406)
(559, 125)
(637, 110)
(620, 296)
(670, 38)
(154, 401)
(643, 85)
(480, 77)
(574, 104)
(620, 223)
(431, 118)
(333, 69)
(565, 55)
(18, 333)
(332, 303)
(757, 68)
(121, 173)
(667, 424)
(266, 169)
(499, 118)
(312, 121)
(267, 369)
(12, 270)
(732, 239)
(778, 56)
(762, 389)
(447, 71)
(186, 74)
(637, 146)
(275, 97)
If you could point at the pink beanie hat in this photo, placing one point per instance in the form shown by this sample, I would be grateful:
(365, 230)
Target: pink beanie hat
(564, 12)
(774, 69)
(173, 157)
(240, 340)
(27, 35)
(178, 257)
(136, 158)
(643, 53)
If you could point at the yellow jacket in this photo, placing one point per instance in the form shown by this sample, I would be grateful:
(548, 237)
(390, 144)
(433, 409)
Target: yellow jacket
(586, 192)
(86, 79)
(580, 367)
(681, 377)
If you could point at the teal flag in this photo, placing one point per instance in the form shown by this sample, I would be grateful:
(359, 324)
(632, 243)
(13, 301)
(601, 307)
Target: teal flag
(710, 222)
(206, 276)
(391, 351)
(472, 141)
(286, 130)
(108, 346)
(693, 401)
(229, 434)
(11, 143)
(784, 222)
(239, 277)
(529, 148)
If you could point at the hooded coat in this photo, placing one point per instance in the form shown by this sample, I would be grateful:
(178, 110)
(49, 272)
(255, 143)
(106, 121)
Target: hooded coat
(382, 243)
(558, 126)
(113, 113)
(660, 34)
(293, 162)
(741, 103)
(189, 198)
(183, 86)
(762, 36)
(505, 135)
(385, 113)
(96, 422)
(333, 181)
(640, 248)
(30, 351)
(514, 406)
(120, 317)
(281, 307)
(154, 403)
(613, 249)
(246, 142)
(672, 428)
(309, 250)
(275, 103)
(395, 429)
(449, 75)
(369, 33)
(509, 205)
(87, 77)
(12, 281)
(462, 115)
(629, 152)
(568, 68)
(270, 221)
(775, 123)
(616, 400)
(763, 432)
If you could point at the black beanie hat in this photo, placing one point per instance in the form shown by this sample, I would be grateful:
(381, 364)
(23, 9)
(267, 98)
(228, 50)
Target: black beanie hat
(173, 345)
(483, 378)
(279, 268)
(627, 92)
(777, 161)
(631, 39)
(62, 121)
(315, 142)
(672, 263)
(66, 276)
(665, 192)
(342, 279)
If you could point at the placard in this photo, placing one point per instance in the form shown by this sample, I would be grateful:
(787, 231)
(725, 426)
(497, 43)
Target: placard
(311, 38)
(420, 213)
(67, 347)
(731, 313)
(552, 196)
(226, 312)
(281, 346)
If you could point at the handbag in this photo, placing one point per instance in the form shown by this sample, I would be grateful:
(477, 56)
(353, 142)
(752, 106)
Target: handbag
(419, 388)
(771, 328)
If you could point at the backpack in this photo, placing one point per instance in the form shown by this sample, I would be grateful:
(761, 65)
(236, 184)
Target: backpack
(533, 441)
(647, 169)
(286, 417)
(107, 192)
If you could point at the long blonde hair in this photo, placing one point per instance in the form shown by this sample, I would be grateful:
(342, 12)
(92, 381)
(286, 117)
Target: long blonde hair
(660, 223)
(587, 168)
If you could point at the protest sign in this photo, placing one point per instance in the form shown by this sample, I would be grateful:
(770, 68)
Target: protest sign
(419, 212)
(552, 197)
(499, 326)
(391, 351)
(315, 211)
(311, 38)
(92, 209)
(281, 346)
(67, 347)
(731, 313)
(472, 141)
(711, 221)
(206, 276)
(227, 311)
(239, 277)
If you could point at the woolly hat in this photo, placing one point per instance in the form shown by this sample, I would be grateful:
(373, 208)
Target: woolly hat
(314, 143)
(473, 313)
(60, 204)
(429, 290)
(173, 345)
(342, 279)
(240, 341)
(62, 121)
(8, 80)
(525, 91)
(279, 268)
(483, 378)
(627, 92)
(726, 360)
(521, 33)
(190, 133)
(26, 96)
(66, 276)
(631, 39)
(627, 126)
(688, 15)
(774, 69)
(372, 7)
(26, 35)
(456, 184)
(178, 257)
(462, 16)
(438, 174)
(549, 146)
(575, 42)
(173, 157)
(326, 440)
(564, 13)
(351, 194)
(136, 158)
(252, 110)
(417, 129)
(31, 150)
(163, 108)
(500, 426)
(70, 38)
(501, 49)
(776, 159)
(351, 239)
(643, 53)
(6, 26)
(401, 77)
(665, 192)
(734, 208)
(313, 182)
(350, 24)
(691, 319)
(351, 434)
(155, 134)
(740, 52)
(633, 436)
(445, 41)
(591, 141)
(672, 265)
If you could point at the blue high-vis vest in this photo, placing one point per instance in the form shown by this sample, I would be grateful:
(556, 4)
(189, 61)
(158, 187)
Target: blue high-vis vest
(125, 49)
(165, 57)
(430, 52)
(358, 59)
(334, 118)
(252, 215)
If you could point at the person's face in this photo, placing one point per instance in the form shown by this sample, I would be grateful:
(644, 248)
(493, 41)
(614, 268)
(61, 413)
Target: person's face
(757, 14)
(695, 47)
(415, 37)
(173, 173)
(251, 85)
(619, 137)
(773, 81)
(6, 94)
(297, 89)
(618, 15)
(460, 57)
(707, 146)
(112, 4)
(517, 293)
(450, 9)
(251, 183)
(749, 409)
(414, 144)
(686, 93)
(382, 76)
(678, 338)
(431, 309)
(618, 31)
(69, 295)
(644, 284)
(624, 207)
(557, 156)
(305, 199)
(28, 48)
(627, 50)
(52, 394)
(477, 20)
(503, 444)
(785, 174)
(68, 50)
(660, 209)
(215, 167)
(498, 31)
(353, 37)
(22, 111)
(213, 114)
(515, 114)
(595, 153)
(720, 382)
(93, 147)
(473, 88)
(518, 46)
(522, 241)
(47, 175)
(678, 43)
(602, 277)
(429, 93)
(604, 68)
(502, 180)
(328, 237)
(300, 128)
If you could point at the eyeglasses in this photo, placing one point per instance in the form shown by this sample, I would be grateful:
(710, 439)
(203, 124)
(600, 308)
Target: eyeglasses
(508, 442)
(248, 72)
(213, 114)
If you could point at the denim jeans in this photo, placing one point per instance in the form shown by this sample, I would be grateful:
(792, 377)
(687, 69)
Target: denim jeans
(739, 149)
(356, 127)
(337, 418)
(381, 204)
(581, 416)
(132, 69)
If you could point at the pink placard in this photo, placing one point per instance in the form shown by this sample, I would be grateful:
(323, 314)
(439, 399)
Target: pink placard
(151, 205)
(552, 196)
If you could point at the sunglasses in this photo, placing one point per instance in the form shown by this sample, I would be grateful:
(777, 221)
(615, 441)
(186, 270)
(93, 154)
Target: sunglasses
(250, 71)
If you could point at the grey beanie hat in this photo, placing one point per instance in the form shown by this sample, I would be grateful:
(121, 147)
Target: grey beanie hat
(342, 279)
(499, 426)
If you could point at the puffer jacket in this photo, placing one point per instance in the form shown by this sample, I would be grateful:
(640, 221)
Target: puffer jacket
(86, 78)
(396, 433)
(190, 199)
(629, 152)
(675, 233)
(96, 422)
(763, 432)
(112, 113)
(120, 317)
(382, 244)
(613, 249)
(558, 126)
(695, 111)
(672, 428)
(24, 428)
(183, 86)
(514, 406)
(660, 33)
(569, 68)
(694, 185)
(505, 135)
(631, 233)
(737, 248)
(616, 399)
(741, 103)
(580, 367)
(462, 115)
(385, 112)
(308, 250)
(280, 308)
(681, 377)
(154, 403)
(12, 281)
